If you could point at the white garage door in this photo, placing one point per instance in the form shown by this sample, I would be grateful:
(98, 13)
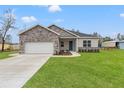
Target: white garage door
(40, 47)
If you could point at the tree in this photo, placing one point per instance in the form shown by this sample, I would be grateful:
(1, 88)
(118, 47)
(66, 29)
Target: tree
(118, 36)
(107, 38)
(8, 39)
(122, 37)
(7, 23)
(95, 34)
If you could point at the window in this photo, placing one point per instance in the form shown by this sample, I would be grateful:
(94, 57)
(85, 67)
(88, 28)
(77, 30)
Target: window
(62, 44)
(89, 43)
(86, 43)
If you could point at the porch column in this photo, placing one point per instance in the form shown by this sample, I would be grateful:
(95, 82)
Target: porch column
(59, 45)
(76, 44)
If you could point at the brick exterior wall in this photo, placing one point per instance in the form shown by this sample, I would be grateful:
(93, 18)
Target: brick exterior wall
(38, 34)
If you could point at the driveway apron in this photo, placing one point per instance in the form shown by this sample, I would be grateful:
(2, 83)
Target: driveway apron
(15, 71)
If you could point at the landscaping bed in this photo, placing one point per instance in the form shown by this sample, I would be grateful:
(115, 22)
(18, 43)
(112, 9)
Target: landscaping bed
(63, 52)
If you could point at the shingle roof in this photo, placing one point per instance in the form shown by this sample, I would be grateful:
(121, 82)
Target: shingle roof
(74, 33)
(63, 32)
(82, 34)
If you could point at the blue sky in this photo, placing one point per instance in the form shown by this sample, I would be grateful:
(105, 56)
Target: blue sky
(106, 20)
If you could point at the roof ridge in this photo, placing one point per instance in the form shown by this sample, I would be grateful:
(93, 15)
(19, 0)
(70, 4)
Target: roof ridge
(81, 33)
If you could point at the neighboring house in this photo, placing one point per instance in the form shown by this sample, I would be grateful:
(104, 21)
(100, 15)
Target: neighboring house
(14, 46)
(110, 44)
(10, 46)
(53, 39)
(6, 46)
(114, 44)
(120, 44)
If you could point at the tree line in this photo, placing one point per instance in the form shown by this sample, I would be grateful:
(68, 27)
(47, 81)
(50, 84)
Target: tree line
(108, 38)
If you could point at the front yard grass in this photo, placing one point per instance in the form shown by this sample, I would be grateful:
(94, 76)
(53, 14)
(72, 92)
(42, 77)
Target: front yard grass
(4, 55)
(90, 70)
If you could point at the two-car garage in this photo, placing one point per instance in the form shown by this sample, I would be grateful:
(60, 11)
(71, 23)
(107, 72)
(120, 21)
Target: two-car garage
(39, 48)
(39, 40)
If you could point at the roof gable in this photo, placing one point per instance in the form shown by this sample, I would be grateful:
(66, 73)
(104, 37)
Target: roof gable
(29, 29)
(62, 31)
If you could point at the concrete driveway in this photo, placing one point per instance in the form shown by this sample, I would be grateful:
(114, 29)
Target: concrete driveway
(15, 71)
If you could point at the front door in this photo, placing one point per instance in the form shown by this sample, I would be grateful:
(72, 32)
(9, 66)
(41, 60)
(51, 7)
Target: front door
(70, 45)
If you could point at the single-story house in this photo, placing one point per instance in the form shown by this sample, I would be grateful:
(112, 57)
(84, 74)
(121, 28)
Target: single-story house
(53, 39)
(114, 44)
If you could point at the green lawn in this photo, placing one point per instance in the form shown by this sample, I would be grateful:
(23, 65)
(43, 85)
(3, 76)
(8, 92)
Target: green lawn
(5, 54)
(90, 70)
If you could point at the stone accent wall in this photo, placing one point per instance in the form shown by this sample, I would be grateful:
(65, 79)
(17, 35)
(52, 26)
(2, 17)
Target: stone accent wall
(38, 34)
(62, 32)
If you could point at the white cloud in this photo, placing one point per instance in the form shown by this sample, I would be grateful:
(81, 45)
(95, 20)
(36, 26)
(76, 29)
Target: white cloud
(28, 19)
(54, 8)
(122, 15)
(59, 20)
(51, 8)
